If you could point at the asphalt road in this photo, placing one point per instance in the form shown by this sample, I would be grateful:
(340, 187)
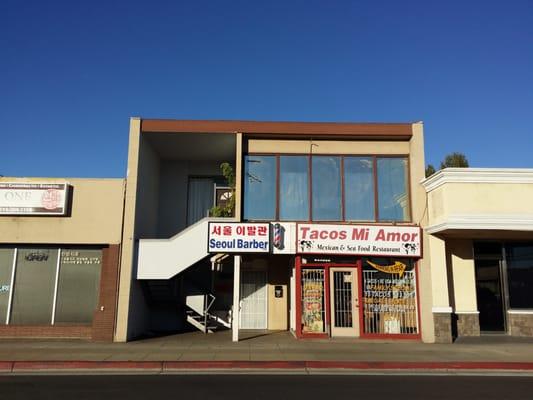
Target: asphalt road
(271, 387)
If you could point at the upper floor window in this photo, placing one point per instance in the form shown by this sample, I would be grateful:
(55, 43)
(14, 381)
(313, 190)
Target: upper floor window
(260, 187)
(326, 188)
(294, 188)
(359, 190)
(393, 200)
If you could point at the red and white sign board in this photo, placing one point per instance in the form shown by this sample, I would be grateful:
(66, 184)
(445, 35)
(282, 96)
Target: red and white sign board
(238, 237)
(371, 240)
(19, 198)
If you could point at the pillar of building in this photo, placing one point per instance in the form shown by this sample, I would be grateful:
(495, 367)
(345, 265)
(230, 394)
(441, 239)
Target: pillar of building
(236, 298)
(442, 312)
(464, 286)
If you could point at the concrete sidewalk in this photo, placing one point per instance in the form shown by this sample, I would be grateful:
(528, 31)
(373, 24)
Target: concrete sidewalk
(269, 347)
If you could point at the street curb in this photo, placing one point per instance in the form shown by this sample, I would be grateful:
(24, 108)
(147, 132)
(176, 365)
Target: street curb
(170, 366)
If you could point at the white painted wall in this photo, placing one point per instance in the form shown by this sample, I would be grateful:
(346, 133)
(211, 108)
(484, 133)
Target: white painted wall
(172, 208)
(164, 258)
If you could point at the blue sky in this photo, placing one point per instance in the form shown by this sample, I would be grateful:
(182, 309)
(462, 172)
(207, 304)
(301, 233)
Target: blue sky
(72, 73)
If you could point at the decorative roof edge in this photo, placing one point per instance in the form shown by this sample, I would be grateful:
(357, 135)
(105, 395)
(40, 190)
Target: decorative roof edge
(477, 175)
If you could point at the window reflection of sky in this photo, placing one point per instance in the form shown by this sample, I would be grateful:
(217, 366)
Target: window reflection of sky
(360, 191)
(260, 187)
(326, 188)
(392, 189)
(293, 191)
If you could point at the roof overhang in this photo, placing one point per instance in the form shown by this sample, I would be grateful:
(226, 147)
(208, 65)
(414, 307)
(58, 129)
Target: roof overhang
(377, 131)
(478, 175)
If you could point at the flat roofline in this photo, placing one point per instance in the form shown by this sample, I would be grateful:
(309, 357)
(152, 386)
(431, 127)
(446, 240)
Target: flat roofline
(267, 128)
(56, 178)
(478, 175)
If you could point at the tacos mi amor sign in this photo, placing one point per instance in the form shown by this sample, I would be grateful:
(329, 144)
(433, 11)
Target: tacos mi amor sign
(372, 240)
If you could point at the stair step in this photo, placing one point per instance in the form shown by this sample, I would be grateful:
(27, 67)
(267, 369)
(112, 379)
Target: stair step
(199, 325)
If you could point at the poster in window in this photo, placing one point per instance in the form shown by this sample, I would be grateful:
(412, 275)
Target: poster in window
(313, 301)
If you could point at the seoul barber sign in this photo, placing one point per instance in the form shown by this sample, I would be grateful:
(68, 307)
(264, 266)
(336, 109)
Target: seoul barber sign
(234, 237)
(371, 240)
(19, 198)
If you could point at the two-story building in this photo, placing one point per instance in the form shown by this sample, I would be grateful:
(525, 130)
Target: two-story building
(326, 236)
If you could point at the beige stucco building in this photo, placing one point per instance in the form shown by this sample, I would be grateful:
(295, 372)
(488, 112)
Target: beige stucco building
(341, 209)
(481, 238)
(59, 256)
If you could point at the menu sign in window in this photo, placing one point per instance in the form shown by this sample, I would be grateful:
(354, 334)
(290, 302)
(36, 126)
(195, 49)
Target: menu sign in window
(389, 296)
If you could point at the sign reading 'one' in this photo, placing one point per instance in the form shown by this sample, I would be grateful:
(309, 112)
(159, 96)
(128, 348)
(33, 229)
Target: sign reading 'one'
(18, 198)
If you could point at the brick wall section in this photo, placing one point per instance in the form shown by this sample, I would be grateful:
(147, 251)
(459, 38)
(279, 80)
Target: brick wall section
(46, 331)
(443, 327)
(467, 324)
(520, 324)
(105, 314)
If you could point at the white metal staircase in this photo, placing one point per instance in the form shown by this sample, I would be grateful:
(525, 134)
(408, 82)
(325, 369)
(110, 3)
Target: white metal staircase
(199, 313)
(165, 258)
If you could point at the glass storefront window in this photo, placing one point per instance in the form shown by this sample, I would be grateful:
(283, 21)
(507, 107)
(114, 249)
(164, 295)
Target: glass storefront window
(33, 294)
(39, 281)
(519, 259)
(359, 189)
(393, 198)
(389, 296)
(6, 269)
(294, 188)
(491, 250)
(326, 196)
(78, 285)
(259, 187)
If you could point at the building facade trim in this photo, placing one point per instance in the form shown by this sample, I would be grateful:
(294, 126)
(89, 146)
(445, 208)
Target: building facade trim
(518, 222)
(441, 310)
(478, 175)
(523, 312)
(390, 130)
